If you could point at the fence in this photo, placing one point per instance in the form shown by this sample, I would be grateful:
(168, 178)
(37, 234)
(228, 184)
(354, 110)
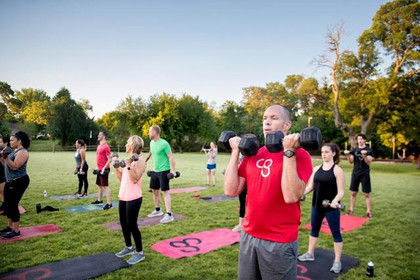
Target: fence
(57, 148)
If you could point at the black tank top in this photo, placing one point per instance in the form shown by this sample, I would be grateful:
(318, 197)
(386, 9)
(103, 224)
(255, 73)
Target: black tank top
(325, 187)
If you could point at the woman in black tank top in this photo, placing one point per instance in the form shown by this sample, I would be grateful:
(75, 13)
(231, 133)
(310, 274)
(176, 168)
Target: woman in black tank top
(327, 183)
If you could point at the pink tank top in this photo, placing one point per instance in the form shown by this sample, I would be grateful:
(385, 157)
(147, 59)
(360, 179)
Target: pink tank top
(128, 190)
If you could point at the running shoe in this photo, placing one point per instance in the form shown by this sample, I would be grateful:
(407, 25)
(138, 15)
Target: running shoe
(350, 212)
(167, 219)
(137, 257)
(237, 228)
(107, 206)
(368, 215)
(155, 213)
(336, 267)
(11, 234)
(125, 252)
(306, 257)
(5, 230)
(97, 202)
(83, 194)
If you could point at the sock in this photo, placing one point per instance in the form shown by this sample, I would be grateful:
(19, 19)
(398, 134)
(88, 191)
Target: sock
(157, 209)
(170, 214)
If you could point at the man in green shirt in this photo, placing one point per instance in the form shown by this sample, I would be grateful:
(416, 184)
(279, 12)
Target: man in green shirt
(163, 164)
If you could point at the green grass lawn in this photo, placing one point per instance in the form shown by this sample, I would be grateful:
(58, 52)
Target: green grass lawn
(390, 239)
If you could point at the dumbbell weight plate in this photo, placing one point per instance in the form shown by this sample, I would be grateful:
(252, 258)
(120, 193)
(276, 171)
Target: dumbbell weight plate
(249, 145)
(224, 138)
(310, 138)
(274, 141)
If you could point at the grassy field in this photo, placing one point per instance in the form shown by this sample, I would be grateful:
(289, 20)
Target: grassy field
(390, 239)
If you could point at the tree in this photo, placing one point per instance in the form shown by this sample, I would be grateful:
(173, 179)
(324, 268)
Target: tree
(35, 106)
(9, 105)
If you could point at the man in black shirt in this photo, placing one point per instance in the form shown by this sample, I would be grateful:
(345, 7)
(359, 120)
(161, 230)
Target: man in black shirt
(362, 157)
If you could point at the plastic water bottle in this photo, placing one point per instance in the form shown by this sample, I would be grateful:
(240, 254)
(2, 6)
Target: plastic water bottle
(369, 269)
(45, 193)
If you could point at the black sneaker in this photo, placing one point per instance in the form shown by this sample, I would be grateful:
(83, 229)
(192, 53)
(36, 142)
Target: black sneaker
(97, 202)
(107, 206)
(5, 230)
(10, 235)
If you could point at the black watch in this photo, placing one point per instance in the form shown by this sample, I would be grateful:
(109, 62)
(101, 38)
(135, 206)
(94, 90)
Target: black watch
(128, 168)
(289, 153)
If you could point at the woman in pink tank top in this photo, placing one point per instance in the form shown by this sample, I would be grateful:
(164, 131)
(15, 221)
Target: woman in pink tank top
(129, 173)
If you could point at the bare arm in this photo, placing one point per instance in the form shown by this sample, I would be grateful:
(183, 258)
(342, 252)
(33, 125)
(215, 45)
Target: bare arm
(368, 159)
(349, 157)
(292, 186)
(148, 156)
(137, 170)
(234, 184)
(172, 162)
(310, 185)
(118, 173)
(83, 157)
(20, 158)
(339, 175)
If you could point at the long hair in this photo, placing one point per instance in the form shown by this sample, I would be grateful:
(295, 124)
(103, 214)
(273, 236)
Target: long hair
(335, 149)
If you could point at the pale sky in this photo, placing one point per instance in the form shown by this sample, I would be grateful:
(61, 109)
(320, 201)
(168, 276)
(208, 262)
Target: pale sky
(104, 51)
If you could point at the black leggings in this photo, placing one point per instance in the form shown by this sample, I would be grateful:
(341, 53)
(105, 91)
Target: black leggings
(13, 192)
(83, 179)
(242, 200)
(129, 212)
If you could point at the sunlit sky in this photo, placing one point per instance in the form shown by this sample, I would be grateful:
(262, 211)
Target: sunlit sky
(104, 51)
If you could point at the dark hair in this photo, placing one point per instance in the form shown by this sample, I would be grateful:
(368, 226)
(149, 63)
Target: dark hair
(104, 133)
(6, 139)
(361, 135)
(24, 138)
(335, 149)
(81, 142)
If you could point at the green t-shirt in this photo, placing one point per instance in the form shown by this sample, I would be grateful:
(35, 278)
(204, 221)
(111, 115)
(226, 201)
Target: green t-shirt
(160, 150)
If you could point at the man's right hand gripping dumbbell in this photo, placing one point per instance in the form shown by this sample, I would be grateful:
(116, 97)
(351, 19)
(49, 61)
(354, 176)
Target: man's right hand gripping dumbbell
(248, 144)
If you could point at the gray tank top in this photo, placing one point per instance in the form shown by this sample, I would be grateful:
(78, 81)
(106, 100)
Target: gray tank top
(15, 174)
(78, 159)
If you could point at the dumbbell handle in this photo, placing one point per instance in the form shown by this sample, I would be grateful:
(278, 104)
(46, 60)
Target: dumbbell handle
(326, 203)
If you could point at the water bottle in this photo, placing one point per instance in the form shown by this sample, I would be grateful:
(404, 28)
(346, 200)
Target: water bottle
(369, 269)
(38, 208)
(45, 193)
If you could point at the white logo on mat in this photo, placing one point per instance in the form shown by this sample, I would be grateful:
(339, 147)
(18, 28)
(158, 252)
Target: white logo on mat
(265, 166)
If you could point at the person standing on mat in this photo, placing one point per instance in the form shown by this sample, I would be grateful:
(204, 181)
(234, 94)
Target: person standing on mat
(17, 180)
(81, 167)
(4, 142)
(275, 183)
(130, 198)
(327, 182)
(163, 164)
(103, 159)
(362, 157)
(211, 163)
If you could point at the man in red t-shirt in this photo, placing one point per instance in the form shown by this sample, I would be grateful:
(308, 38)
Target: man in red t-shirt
(103, 160)
(275, 184)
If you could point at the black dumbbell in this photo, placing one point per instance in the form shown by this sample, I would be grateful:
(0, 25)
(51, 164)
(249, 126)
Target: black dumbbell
(150, 173)
(97, 171)
(248, 146)
(310, 139)
(134, 157)
(5, 152)
(326, 203)
(78, 172)
(303, 198)
(171, 175)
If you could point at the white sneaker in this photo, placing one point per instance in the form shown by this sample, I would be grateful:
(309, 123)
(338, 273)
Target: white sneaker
(167, 219)
(237, 228)
(155, 214)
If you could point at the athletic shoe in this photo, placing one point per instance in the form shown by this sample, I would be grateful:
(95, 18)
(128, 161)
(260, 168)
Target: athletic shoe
(5, 230)
(11, 234)
(350, 212)
(77, 193)
(97, 202)
(336, 267)
(107, 206)
(306, 257)
(368, 215)
(137, 257)
(155, 214)
(214, 185)
(207, 185)
(167, 219)
(125, 252)
(83, 194)
(237, 228)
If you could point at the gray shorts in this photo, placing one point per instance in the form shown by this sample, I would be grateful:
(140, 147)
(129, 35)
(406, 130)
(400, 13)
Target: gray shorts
(262, 259)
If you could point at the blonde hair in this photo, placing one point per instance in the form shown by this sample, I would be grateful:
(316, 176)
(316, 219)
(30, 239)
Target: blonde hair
(136, 143)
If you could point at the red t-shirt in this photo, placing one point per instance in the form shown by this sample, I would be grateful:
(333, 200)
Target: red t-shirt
(102, 153)
(267, 215)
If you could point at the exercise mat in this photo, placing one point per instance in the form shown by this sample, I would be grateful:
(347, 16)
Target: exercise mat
(142, 222)
(77, 268)
(21, 210)
(196, 243)
(217, 198)
(71, 196)
(185, 190)
(320, 268)
(32, 231)
(90, 207)
(347, 223)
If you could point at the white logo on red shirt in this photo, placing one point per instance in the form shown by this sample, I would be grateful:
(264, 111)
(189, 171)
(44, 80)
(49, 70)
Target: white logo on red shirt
(265, 166)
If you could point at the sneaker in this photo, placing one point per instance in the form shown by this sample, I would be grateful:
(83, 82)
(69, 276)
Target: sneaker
(306, 257)
(83, 194)
(77, 193)
(137, 257)
(125, 252)
(107, 206)
(155, 214)
(207, 185)
(5, 230)
(368, 215)
(237, 228)
(350, 212)
(167, 219)
(336, 267)
(11, 234)
(97, 202)
(214, 185)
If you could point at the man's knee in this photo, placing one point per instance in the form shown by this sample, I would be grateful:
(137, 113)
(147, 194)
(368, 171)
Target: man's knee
(367, 195)
(353, 194)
